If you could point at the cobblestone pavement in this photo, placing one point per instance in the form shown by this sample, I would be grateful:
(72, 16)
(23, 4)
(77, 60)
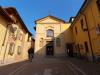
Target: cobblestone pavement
(51, 66)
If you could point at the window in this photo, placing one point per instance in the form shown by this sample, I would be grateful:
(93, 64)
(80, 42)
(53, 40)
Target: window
(86, 46)
(98, 29)
(19, 50)
(15, 29)
(19, 35)
(58, 42)
(98, 4)
(11, 29)
(83, 25)
(50, 33)
(76, 30)
(41, 42)
(11, 49)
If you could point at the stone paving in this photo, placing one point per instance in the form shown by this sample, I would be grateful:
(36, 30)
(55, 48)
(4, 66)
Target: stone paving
(52, 66)
(89, 68)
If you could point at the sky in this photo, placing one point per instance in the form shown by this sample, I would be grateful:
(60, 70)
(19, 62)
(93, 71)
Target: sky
(31, 10)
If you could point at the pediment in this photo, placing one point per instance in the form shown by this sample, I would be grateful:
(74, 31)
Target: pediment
(49, 19)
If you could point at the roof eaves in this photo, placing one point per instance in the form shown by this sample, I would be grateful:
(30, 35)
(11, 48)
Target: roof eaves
(51, 17)
(79, 12)
(20, 20)
(6, 14)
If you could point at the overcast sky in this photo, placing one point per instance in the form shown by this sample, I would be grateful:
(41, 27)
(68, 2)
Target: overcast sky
(31, 10)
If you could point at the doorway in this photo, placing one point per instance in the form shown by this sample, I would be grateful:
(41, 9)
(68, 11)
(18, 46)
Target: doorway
(50, 48)
(69, 48)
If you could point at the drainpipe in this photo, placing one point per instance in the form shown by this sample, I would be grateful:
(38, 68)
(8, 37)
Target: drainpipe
(4, 42)
(5, 35)
(93, 56)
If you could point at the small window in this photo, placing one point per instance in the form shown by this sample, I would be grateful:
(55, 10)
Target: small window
(58, 42)
(19, 35)
(98, 4)
(11, 29)
(98, 29)
(41, 42)
(83, 25)
(15, 28)
(11, 49)
(86, 46)
(19, 50)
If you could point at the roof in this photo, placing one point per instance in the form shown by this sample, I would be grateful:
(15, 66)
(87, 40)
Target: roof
(51, 17)
(80, 10)
(12, 10)
(6, 14)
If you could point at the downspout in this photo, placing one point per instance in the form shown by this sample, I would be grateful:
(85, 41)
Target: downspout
(4, 38)
(93, 57)
(4, 43)
(5, 35)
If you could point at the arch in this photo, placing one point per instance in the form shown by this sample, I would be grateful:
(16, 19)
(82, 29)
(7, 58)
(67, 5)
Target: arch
(49, 27)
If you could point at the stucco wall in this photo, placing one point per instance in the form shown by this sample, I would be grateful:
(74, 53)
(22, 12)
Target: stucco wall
(60, 31)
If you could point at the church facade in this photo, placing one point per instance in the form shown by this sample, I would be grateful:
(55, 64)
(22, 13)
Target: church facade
(49, 38)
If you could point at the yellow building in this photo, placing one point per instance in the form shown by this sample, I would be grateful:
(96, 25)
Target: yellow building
(5, 23)
(16, 39)
(50, 36)
(86, 30)
(23, 36)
